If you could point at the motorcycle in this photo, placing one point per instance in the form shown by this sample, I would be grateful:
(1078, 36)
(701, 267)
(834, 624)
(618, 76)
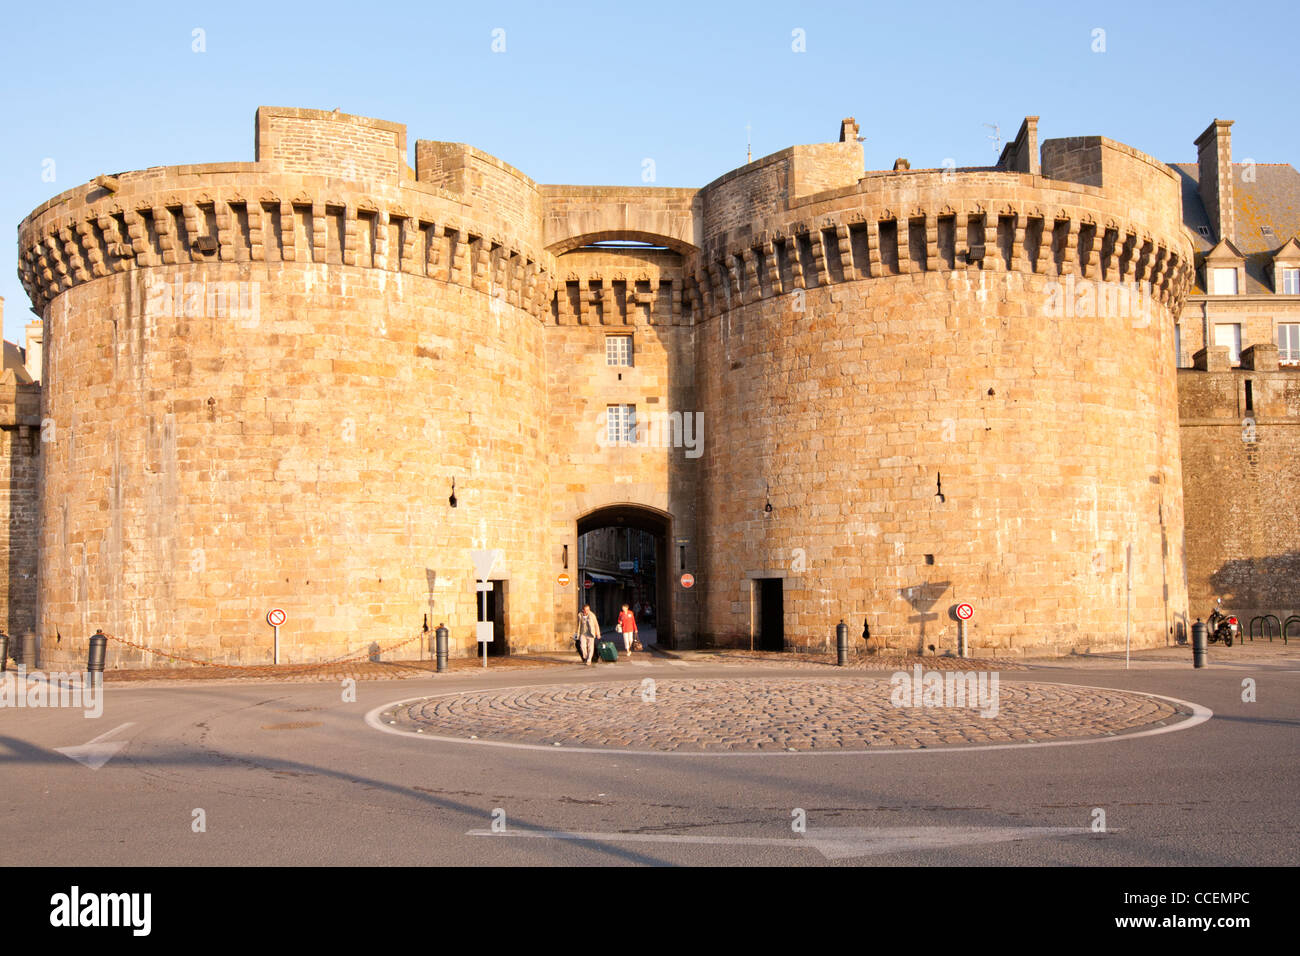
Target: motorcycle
(1222, 627)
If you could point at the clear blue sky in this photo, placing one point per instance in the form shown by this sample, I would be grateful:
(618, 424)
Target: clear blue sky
(584, 92)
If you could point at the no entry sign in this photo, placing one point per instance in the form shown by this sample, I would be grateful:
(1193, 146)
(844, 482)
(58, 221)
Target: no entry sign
(688, 580)
(275, 617)
(563, 580)
(965, 611)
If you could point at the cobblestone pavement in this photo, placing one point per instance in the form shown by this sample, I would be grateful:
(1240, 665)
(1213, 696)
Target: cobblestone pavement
(765, 714)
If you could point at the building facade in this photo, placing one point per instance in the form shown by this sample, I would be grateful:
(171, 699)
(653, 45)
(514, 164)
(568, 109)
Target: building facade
(1239, 383)
(324, 381)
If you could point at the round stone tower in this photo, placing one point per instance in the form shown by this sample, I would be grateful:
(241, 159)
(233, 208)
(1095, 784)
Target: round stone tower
(262, 380)
(951, 386)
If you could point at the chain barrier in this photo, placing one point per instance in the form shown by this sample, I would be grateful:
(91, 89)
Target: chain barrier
(320, 665)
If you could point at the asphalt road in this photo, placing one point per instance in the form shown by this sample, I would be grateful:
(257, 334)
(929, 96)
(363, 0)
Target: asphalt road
(290, 774)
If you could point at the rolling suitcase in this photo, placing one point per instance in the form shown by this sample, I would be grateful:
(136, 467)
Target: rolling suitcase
(608, 652)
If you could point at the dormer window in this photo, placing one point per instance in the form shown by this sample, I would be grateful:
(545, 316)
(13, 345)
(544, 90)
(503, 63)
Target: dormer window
(1223, 281)
(1290, 284)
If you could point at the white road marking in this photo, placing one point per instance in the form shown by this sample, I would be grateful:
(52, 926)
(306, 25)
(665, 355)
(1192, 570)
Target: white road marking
(1200, 714)
(95, 753)
(834, 843)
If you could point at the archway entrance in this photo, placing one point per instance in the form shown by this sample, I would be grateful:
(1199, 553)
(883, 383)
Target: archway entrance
(623, 558)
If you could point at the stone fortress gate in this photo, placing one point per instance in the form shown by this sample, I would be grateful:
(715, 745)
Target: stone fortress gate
(261, 381)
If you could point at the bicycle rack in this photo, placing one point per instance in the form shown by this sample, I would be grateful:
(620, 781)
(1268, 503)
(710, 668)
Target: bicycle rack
(1265, 630)
(1287, 625)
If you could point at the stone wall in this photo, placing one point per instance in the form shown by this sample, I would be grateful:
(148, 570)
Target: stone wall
(20, 459)
(1242, 482)
(265, 377)
(919, 329)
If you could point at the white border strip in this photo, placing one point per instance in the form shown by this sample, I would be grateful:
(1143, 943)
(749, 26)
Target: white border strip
(1200, 714)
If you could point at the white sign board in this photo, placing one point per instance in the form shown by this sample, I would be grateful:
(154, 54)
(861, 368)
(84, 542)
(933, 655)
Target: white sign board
(484, 561)
(483, 631)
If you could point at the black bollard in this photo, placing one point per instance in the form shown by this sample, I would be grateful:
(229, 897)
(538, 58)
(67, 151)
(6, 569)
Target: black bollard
(842, 643)
(440, 636)
(1199, 632)
(4, 652)
(98, 647)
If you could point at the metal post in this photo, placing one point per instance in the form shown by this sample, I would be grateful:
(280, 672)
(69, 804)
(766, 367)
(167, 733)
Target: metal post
(277, 643)
(98, 646)
(28, 659)
(842, 644)
(483, 605)
(440, 636)
(4, 652)
(1198, 643)
(1128, 619)
(961, 638)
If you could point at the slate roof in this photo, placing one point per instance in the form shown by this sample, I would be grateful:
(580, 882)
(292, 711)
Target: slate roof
(1267, 215)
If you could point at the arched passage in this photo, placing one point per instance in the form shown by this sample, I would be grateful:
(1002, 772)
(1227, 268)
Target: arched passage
(614, 536)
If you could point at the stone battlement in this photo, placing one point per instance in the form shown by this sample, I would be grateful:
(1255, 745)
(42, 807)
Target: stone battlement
(335, 189)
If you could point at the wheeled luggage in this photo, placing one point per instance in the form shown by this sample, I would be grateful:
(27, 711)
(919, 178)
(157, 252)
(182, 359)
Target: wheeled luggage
(608, 652)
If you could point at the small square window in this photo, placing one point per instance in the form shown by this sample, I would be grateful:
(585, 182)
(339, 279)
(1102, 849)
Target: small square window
(618, 350)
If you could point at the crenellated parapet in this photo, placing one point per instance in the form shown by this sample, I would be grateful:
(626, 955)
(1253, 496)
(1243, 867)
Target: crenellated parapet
(273, 221)
(327, 188)
(916, 222)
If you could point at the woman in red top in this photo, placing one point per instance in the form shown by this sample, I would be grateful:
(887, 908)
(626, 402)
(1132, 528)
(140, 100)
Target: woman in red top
(627, 627)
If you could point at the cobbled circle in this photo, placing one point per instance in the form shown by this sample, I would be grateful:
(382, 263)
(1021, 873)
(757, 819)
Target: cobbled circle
(709, 715)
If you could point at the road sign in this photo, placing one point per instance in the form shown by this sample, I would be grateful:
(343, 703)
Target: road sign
(484, 561)
(589, 583)
(563, 579)
(275, 617)
(627, 565)
(965, 611)
(483, 632)
(688, 580)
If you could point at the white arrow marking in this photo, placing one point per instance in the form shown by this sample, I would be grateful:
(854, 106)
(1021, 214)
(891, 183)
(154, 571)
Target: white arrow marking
(834, 843)
(96, 753)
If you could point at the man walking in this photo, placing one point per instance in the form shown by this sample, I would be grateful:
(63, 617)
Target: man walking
(627, 627)
(588, 633)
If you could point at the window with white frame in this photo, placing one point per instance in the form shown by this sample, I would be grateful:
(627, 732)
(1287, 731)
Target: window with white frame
(1229, 334)
(1223, 282)
(618, 350)
(1288, 343)
(620, 424)
(1291, 281)
(1178, 346)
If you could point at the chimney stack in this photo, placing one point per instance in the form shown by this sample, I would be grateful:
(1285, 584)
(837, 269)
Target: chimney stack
(1214, 165)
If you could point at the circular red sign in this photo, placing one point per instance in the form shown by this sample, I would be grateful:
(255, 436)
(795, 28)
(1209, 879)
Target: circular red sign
(275, 617)
(564, 580)
(589, 583)
(688, 580)
(965, 611)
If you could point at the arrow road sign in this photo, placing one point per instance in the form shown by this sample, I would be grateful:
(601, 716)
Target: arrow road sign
(97, 752)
